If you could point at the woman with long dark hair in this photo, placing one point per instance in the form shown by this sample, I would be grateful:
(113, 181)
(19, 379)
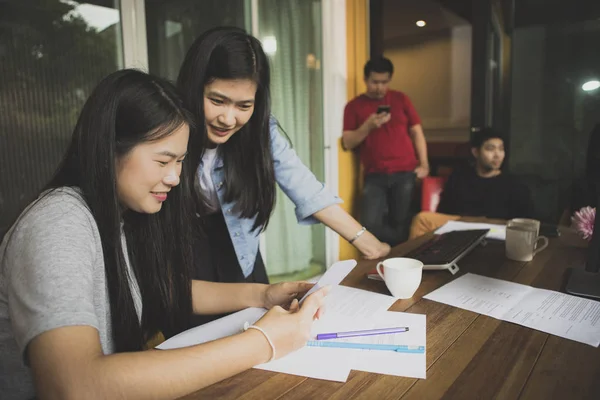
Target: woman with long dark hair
(225, 83)
(100, 264)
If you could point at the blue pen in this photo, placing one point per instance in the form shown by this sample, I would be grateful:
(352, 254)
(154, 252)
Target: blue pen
(370, 332)
(368, 346)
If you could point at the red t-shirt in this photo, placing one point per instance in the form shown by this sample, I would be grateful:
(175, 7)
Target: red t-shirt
(387, 149)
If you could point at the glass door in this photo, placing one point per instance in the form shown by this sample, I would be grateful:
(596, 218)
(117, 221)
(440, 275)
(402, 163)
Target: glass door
(173, 25)
(52, 54)
(491, 66)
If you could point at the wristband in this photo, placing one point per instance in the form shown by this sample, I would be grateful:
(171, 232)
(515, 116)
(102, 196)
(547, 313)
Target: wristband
(358, 234)
(261, 330)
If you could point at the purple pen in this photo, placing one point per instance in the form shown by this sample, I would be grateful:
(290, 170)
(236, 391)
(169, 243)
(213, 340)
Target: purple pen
(370, 332)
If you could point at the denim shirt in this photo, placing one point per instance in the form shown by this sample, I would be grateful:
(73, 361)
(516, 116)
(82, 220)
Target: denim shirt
(293, 177)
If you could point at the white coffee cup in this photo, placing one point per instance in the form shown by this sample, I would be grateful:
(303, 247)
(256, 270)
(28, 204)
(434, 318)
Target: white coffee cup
(522, 240)
(402, 276)
(527, 221)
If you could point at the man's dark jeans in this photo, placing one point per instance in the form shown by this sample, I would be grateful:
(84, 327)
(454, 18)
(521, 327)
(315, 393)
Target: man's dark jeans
(385, 205)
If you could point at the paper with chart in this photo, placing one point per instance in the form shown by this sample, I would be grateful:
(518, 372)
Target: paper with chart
(497, 232)
(548, 311)
(480, 294)
(559, 314)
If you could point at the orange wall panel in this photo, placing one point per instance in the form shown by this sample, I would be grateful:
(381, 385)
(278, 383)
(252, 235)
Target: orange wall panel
(357, 43)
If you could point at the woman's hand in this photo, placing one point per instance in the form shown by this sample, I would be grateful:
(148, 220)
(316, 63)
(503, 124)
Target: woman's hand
(290, 330)
(379, 251)
(371, 247)
(343, 223)
(282, 294)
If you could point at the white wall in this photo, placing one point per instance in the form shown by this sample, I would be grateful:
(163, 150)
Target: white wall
(334, 99)
(435, 73)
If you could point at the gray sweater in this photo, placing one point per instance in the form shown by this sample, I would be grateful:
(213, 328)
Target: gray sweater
(51, 276)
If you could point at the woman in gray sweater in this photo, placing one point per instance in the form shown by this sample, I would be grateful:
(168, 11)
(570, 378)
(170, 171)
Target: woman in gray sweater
(99, 265)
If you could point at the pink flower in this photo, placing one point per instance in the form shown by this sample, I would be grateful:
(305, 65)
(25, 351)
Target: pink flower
(583, 221)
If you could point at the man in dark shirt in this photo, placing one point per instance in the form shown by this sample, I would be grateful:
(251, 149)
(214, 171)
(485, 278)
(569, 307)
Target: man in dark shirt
(482, 191)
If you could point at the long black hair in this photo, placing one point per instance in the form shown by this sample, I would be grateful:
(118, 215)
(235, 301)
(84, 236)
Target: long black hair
(128, 108)
(231, 53)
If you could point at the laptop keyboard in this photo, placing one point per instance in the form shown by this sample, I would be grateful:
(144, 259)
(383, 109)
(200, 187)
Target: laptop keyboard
(445, 248)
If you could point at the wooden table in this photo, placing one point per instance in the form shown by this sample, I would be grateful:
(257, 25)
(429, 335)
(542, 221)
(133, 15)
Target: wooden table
(469, 356)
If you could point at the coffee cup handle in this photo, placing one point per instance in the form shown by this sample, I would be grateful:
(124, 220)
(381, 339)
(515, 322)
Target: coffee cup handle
(379, 265)
(539, 248)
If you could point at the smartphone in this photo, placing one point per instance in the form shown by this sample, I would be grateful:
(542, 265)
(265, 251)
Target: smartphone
(549, 230)
(383, 109)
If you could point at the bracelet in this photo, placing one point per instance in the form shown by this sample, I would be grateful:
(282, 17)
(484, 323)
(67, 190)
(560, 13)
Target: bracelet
(357, 235)
(261, 330)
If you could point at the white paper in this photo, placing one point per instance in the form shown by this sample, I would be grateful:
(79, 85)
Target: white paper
(344, 303)
(497, 232)
(341, 304)
(217, 329)
(391, 362)
(333, 276)
(559, 314)
(345, 309)
(336, 363)
(548, 311)
(312, 362)
(480, 294)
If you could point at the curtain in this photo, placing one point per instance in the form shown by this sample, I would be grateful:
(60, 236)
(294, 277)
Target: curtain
(290, 31)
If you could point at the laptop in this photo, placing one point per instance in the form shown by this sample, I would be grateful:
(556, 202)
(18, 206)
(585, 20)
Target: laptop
(444, 251)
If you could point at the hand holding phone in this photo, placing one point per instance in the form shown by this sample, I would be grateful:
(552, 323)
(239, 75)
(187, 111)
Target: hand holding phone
(383, 109)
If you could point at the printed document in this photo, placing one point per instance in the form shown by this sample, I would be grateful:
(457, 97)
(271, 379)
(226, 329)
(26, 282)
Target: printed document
(548, 311)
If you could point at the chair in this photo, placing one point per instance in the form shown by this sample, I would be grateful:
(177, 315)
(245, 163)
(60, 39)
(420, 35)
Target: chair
(431, 188)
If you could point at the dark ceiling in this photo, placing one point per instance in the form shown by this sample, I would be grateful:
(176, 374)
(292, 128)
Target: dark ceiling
(400, 16)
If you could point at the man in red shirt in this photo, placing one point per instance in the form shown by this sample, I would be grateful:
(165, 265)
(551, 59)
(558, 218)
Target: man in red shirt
(384, 126)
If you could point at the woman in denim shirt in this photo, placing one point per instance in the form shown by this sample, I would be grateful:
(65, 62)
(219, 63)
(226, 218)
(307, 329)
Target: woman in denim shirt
(224, 81)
